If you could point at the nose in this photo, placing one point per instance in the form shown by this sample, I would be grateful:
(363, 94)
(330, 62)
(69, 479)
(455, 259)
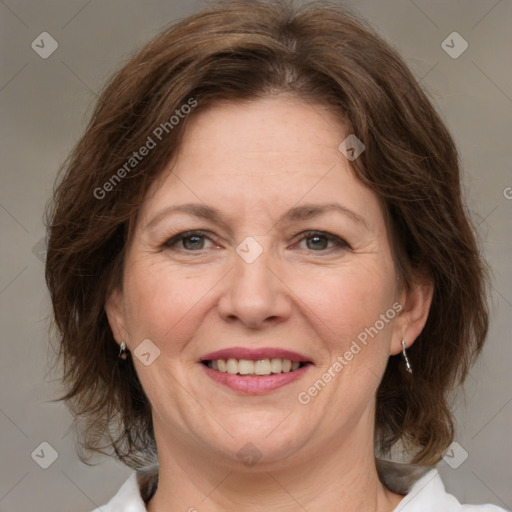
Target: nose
(255, 294)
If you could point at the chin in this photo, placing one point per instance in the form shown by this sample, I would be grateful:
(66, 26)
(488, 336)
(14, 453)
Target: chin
(261, 440)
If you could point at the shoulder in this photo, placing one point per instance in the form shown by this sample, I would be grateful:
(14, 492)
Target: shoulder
(127, 499)
(428, 494)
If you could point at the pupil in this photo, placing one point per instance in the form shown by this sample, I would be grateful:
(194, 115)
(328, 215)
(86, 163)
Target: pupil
(316, 239)
(194, 244)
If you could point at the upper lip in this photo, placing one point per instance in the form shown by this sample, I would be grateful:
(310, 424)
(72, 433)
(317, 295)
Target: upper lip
(255, 354)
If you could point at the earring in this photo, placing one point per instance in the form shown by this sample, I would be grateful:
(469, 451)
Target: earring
(406, 359)
(123, 352)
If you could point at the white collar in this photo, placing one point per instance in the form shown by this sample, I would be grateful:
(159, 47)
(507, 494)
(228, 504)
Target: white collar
(426, 494)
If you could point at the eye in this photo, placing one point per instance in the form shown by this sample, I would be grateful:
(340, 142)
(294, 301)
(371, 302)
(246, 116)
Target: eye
(318, 241)
(191, 241)
(195, 241)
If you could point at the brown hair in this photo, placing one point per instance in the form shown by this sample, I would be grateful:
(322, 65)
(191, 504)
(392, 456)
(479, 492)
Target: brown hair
(245, 50)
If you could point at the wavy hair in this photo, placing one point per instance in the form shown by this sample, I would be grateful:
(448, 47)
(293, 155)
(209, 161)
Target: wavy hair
(240, 51)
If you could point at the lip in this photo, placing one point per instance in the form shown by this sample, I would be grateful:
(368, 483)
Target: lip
(254, 385)
(254, 354)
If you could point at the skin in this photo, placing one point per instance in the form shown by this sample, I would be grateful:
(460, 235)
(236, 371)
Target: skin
(253, 161)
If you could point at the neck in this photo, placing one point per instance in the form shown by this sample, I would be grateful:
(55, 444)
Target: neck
(332, 479)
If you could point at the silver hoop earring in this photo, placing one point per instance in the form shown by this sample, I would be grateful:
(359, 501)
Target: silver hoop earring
(406, 359)
(123, 352)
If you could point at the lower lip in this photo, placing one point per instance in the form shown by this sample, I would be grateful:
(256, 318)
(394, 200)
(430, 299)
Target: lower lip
(255, 385)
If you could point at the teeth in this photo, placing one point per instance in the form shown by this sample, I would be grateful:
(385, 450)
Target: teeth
(245, 367)
(249, 367)
(262, 367)
(276, 366)
(232, 366)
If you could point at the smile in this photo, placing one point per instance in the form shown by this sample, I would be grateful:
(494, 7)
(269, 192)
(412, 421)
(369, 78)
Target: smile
(254, 371)
(260, 367)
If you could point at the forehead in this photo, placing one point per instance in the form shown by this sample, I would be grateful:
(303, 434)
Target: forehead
(261, 155)
(264, 129)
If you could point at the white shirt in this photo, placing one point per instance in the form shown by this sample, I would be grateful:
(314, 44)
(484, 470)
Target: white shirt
(426, 495)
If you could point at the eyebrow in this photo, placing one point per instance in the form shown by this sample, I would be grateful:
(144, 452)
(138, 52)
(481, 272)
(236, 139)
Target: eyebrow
(297, 213)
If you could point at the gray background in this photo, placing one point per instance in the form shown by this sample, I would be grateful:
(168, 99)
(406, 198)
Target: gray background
(44, 106)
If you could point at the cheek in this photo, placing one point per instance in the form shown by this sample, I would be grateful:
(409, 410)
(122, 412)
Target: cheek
(159, 301)
(166, 303)
(348, 302)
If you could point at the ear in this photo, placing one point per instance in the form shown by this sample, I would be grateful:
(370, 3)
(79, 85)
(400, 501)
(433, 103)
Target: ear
(412, 318)
(115, 314)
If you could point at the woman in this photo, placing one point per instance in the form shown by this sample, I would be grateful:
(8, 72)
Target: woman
(252, 254)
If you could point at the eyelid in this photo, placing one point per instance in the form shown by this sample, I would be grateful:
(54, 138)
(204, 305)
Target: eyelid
(339, 242)
(186, 234)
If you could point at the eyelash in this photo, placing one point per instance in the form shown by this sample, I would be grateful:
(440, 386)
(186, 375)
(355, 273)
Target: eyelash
(339, 243)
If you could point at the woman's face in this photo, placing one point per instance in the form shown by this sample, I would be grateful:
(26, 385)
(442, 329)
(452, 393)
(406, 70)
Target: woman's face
(286, 256)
